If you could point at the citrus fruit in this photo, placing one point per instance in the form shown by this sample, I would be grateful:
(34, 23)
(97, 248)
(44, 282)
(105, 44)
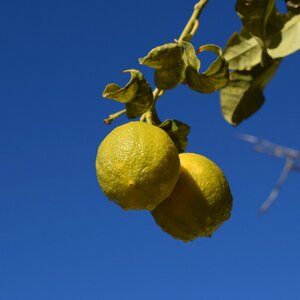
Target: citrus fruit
(200, 202)
(137, 165)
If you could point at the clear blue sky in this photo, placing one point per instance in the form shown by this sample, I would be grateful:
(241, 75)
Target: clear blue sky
(60, 238)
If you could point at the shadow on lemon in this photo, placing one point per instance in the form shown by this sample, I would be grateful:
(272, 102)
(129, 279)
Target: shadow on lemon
(200, 202)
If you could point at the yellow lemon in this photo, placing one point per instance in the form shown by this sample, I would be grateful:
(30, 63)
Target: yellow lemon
(200, 202)
(137, 165)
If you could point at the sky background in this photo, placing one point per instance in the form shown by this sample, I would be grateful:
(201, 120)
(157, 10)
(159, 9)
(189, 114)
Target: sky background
(60, 238)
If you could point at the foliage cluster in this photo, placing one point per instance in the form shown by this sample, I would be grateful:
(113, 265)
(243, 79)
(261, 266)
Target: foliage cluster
(240, 72)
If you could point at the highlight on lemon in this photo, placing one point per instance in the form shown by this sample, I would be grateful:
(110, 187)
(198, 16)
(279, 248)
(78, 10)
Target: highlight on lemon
(137, 165)
(200, 202)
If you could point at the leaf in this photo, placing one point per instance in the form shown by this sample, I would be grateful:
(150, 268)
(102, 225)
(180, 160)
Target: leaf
(290, 39)
(136, 95)
(242, 51)
(243, 95)
(274, 28)
(166, 79)
(262, 21)
(189, 56)
(163, 57)
(176, 64)
(168, 64)
(254, 15)
(293, 6)
(214, 78)
(178, 132)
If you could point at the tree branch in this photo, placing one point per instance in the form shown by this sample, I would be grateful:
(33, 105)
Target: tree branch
(282, 178)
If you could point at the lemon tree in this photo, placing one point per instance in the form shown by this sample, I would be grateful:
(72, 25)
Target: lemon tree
(200, 202)
(137, 165)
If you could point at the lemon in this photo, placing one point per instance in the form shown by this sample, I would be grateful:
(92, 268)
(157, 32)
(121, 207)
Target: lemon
(200, 202)
(137, 165)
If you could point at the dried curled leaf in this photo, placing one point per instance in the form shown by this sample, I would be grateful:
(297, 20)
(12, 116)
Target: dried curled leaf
(214, 78)
(243, 95)
(136, 95)
(175, 64)
(168, 64)
(178, 132)
(163, 57)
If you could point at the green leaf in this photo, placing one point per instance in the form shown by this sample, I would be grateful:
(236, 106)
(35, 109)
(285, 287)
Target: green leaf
(189, 56)
(214, 78)
(176, 64)
(254, 15)
(136, 95)
(168, 64)
(178, 132)
(276, 23)
(243, 95)
(290, 39)
(242, 51)
(163, 57)
(262, 21)
(166, 79)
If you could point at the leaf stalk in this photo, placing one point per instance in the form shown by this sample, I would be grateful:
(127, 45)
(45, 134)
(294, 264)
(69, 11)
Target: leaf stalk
(114, 116)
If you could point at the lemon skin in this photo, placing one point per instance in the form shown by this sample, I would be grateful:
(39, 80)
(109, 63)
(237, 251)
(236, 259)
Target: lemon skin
(200, 202)
(137, 165)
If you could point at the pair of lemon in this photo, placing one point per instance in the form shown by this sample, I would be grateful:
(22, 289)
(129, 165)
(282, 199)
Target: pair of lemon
(138, 167)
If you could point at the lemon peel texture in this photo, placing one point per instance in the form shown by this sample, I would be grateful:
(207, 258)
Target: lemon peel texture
(200, 202)
(137, 165)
